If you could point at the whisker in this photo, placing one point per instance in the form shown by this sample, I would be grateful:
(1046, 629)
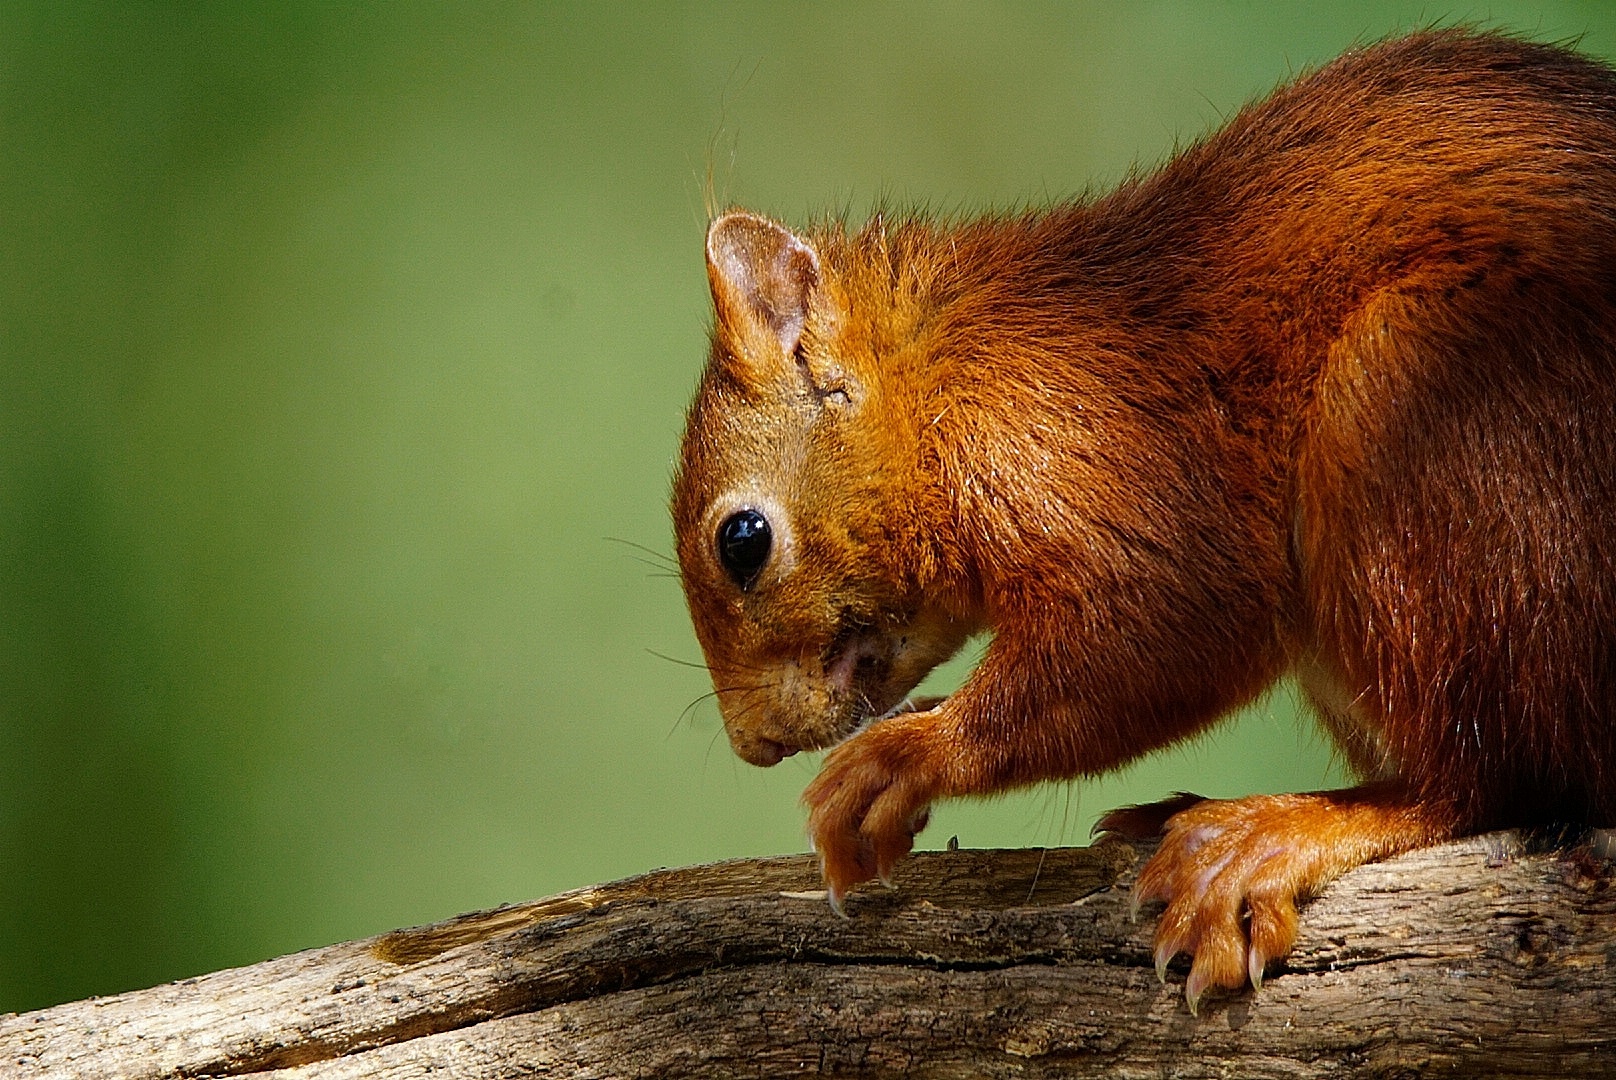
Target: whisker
(708, 668)
(666, 561)
(661, 569)
(680, 719)
(708, 760)
(1066, 820)
(681, 663)
(1037, 873)
(684, 712)
(749, 708)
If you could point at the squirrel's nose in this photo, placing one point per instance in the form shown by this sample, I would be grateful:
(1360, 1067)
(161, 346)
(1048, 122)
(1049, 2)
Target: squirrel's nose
(756, 750)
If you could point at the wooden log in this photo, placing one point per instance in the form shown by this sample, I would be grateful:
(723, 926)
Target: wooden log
(1475, 958)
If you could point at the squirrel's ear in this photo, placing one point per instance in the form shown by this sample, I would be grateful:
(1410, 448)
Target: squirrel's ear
(761, 272)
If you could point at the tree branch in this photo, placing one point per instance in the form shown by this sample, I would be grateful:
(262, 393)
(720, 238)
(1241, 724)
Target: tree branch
(1470, 958)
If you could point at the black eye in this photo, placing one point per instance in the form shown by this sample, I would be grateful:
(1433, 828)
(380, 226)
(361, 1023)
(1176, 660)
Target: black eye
(743, 545)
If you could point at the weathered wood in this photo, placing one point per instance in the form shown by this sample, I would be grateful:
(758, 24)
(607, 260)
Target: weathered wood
(1454, 960)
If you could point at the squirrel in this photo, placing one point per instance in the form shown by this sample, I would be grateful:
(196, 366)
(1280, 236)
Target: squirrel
(1331, 395)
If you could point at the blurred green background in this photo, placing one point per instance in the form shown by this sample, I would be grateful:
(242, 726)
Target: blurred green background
(335, 342)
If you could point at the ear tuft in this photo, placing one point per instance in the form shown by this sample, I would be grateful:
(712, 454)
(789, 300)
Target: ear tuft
(761, 271)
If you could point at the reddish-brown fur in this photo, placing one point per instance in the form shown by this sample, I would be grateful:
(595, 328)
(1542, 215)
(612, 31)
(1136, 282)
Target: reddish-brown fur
(1332, 393)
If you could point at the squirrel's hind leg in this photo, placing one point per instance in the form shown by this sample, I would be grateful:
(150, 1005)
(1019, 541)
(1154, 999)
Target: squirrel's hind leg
(1225, 863)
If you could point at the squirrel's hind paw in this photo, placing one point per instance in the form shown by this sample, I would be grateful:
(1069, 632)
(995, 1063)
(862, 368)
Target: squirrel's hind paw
(1231, 873)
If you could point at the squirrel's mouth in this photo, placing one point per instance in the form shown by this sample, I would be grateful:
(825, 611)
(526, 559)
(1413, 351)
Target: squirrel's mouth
(857, 669)
(858, 679)
(846, 694)
(860, 663)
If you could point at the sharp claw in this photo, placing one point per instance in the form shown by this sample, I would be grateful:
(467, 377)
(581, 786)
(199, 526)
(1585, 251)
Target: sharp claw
(1194, 987)
(1254, 968)
(835, 897)
(1164, 954)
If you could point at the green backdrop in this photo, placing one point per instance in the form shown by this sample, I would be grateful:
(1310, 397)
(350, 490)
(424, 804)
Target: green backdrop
(337, 344)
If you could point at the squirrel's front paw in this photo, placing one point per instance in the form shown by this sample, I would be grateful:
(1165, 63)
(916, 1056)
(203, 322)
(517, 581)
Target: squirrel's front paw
(869, 801)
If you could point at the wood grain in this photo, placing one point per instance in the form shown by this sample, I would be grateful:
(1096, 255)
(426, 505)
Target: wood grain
(1474, 958)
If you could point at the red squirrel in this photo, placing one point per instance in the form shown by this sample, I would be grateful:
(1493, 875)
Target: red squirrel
(1331, 394)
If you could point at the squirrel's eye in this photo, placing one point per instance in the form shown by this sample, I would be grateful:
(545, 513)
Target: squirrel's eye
(743, 545)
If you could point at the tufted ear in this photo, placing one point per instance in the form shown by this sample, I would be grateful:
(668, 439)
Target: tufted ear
(761, 273)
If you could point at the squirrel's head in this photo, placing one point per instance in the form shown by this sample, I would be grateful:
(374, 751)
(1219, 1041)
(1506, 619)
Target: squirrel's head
(800, 504)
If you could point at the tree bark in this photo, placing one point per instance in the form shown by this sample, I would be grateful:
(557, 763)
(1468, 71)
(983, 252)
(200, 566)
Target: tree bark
(1470, 959)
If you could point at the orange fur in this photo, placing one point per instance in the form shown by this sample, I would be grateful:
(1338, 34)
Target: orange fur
(1330, 393)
